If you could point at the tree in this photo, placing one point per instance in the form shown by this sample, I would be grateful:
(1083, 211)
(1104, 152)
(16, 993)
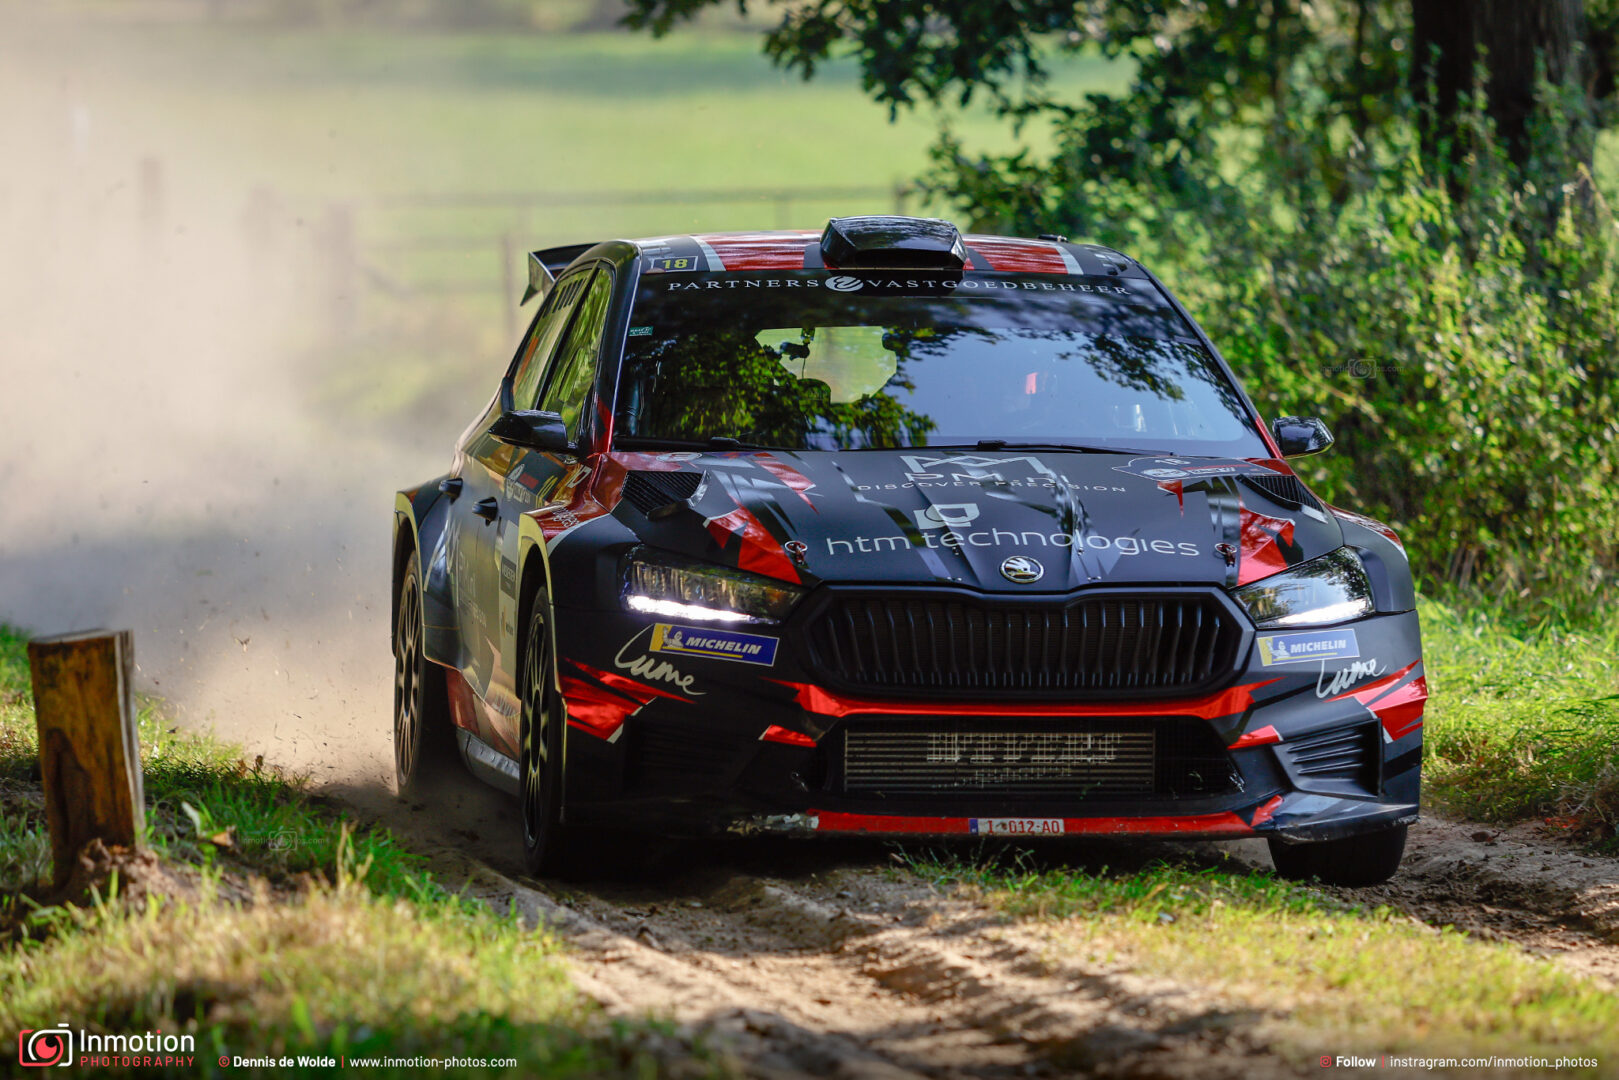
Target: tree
(1199, 64)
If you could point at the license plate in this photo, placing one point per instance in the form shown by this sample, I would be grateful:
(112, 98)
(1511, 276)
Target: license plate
(1015, 826)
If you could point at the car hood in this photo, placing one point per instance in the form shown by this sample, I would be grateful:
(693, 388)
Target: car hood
(1008, 521)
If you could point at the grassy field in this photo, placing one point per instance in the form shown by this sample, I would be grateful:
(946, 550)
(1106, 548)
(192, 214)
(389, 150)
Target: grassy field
(1524, 720)
(359, 115)
(274, 926)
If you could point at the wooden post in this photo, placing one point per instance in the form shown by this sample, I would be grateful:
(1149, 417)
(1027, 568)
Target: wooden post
(89, 757)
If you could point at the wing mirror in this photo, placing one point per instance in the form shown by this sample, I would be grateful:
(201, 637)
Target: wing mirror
(529, 429)
(1300, 435)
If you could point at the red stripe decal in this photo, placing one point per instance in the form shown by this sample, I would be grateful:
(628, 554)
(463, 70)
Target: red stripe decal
(761, 250)
(1265, 736)
(789, 476)
(777, 733)
(641, 692)
(825, 702)
(1018, 256)
(593, 709)
(761, 553)
(1261, 539)
(1266, 811)
(1401, 710)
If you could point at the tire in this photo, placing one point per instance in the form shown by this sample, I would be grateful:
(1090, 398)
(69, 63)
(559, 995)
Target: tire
(421, 707)
(1367, 859)
(540, 764)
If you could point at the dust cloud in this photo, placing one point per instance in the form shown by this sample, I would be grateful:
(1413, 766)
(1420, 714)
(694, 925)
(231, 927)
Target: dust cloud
(162, 465)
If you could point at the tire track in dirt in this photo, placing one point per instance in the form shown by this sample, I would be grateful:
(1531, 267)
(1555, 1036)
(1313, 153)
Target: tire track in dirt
(827, 960)
(858, 973)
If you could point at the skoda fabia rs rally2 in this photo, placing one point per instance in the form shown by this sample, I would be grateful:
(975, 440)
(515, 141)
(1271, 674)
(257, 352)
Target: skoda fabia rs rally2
(888, 530)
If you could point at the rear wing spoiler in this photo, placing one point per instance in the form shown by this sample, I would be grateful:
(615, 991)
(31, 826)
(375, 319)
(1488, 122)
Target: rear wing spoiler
(544, 266)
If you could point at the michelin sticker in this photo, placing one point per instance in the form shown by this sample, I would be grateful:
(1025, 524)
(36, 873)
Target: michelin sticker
(714, 644)
(1277, 649)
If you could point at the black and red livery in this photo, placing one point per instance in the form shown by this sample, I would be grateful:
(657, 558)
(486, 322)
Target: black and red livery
(1101, 604)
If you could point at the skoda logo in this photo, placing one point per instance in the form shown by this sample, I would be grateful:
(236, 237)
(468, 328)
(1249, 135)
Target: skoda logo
(1022, 570)
(845, 284)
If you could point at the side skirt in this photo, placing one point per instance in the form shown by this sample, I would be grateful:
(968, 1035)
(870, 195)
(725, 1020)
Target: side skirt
(489, 764)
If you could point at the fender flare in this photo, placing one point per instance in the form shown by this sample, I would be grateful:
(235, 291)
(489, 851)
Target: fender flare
(424, 512)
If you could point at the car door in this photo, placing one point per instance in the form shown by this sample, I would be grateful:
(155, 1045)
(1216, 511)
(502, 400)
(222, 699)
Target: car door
(533, 479)
(484, 514)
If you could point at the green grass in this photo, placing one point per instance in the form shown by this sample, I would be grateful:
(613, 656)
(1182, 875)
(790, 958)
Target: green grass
(1523, 721)
(285, 929)
(1323, 973)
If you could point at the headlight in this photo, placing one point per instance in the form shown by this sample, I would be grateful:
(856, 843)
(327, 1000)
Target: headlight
(1331, 589)
(677, 588)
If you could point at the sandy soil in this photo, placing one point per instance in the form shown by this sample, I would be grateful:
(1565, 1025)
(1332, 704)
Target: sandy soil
(826, 959)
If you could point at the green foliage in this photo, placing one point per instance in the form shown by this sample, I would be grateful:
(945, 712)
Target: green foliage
(1456, 327)
(1524, 719)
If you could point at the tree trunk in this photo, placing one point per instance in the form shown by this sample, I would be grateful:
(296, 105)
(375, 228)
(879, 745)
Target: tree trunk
(1510, 36)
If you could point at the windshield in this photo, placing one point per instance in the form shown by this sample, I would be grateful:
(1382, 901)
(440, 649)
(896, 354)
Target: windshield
(815, 360)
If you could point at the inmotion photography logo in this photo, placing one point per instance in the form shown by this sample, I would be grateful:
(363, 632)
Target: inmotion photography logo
(43, 1047)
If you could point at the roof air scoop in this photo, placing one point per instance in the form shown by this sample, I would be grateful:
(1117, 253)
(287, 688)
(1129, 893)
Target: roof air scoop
(886, 240)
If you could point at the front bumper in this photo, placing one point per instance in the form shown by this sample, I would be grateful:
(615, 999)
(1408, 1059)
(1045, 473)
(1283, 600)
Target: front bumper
(684, 743)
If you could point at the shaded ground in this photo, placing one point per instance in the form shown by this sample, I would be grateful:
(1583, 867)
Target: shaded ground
(833, 959)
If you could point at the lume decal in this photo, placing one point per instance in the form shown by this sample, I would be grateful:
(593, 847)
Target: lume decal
(652, 668)
(1346, 677)
(715, 644)
(1298, 648)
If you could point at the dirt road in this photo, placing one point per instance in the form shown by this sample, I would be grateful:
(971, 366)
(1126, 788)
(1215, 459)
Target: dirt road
(830, 959)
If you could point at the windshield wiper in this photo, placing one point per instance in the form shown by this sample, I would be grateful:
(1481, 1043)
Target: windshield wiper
(1087, 448)
(716, 442)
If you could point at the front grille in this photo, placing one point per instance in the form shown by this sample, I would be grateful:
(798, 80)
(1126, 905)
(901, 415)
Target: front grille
(1018, 758)
(1345, 754)
(1102, 645)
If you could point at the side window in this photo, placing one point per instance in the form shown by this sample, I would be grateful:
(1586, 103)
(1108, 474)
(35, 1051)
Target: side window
(531, 367)
(575, 368)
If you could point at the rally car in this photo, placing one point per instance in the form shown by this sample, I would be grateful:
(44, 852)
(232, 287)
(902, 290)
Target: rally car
(893, 531)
